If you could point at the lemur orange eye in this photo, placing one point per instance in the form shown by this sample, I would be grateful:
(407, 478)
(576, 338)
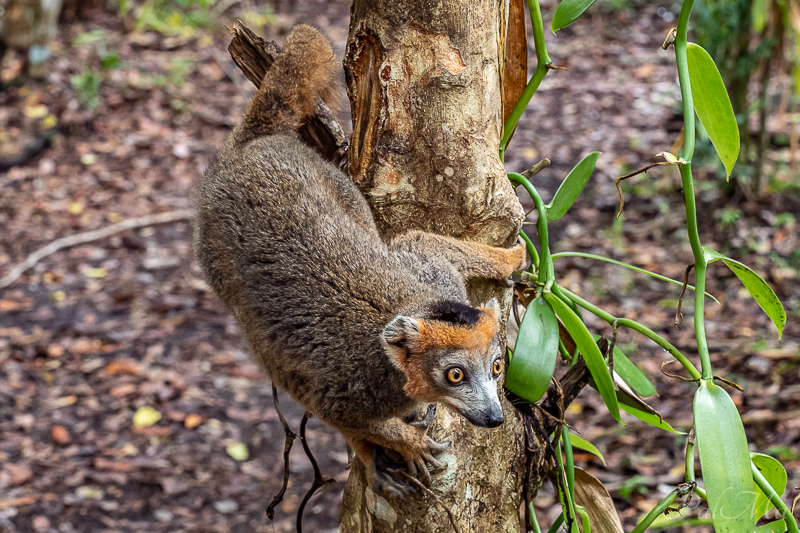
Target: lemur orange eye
(455, 375)
(497, 367)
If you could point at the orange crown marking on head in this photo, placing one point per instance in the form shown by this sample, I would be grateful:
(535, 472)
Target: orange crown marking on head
(434, 335)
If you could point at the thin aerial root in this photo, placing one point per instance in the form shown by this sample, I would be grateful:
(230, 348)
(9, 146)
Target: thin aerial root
(287, 447)
(628, 176)
(665, 363)
(679, 315)
(319, 481)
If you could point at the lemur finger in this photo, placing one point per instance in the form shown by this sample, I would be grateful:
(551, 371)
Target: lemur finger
(422, 472)
(430, 414)
(436, 447)
(425, 421)
(411, 467)
(435, 463)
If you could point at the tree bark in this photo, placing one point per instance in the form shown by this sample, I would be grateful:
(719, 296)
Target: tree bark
(31, 25)
(424, 83)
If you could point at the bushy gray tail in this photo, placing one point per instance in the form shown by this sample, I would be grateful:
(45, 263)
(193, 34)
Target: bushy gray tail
(303, 71)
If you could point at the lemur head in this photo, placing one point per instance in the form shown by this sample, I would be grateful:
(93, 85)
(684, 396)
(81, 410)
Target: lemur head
(451, 354)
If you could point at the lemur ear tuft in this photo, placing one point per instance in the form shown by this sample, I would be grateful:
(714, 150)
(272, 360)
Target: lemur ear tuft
(493, 307)
(401, 332)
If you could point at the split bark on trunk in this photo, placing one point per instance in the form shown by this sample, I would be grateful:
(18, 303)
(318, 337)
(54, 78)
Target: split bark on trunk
(424, 83)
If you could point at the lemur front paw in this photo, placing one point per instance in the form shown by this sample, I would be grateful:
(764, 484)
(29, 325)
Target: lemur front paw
(390, 476)
(419, 462)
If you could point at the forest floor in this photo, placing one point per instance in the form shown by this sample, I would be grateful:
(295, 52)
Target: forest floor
(95, 332)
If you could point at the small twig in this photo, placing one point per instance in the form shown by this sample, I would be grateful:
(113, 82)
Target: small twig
(319, 481)
(429, 492)
(287, 447)
(632, 174)
(665, 363)
(679, 315)
(90, 236)
(538, 167)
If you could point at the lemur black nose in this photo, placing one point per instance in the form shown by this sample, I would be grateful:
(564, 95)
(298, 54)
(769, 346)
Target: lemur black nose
(494, 420)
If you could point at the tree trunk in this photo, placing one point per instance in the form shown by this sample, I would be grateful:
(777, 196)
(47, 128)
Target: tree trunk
(31, 25)
(423, 79)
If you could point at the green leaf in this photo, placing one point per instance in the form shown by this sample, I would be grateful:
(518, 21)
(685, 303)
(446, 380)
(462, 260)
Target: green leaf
(725, 459)
(591, 353)
(586, 446)
(535, 352)
(778, 526)
(712, 105)
(758, 288)
(571, 187)
(146, 416)
(632, 375)
(568, 11)
(774, 472)
(644, 412)
(237, 451)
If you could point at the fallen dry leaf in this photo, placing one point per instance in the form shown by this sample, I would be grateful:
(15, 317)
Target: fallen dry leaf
(60, 435)
(192, 421)
(123, 366)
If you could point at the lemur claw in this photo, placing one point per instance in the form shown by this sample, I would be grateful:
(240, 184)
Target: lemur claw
(424, 422)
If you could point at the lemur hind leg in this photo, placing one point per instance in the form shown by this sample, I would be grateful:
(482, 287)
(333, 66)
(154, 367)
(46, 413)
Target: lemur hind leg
(471, 259)
(412, 443)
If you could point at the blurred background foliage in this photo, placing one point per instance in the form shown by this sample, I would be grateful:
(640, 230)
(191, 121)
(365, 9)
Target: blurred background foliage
(755, 45)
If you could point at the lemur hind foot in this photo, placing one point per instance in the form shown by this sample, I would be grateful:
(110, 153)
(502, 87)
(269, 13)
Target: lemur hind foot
(397, 447)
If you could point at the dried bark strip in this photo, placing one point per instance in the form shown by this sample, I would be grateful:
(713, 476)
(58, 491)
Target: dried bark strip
(254, 56)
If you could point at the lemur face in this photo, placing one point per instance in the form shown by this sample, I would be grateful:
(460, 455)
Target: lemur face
(451, 355)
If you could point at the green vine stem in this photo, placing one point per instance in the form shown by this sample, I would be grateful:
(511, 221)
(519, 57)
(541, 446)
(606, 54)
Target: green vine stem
(532, 253)
(774, 498)
(639, 328)
(557, 524)
(559, 255)
(534, 521)
(564, 298)
(570, 462)
(689, 464)
(542, 65)
(700, 263)
(568, 502)
(657, 510)
(546, 270)
(587, 527)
